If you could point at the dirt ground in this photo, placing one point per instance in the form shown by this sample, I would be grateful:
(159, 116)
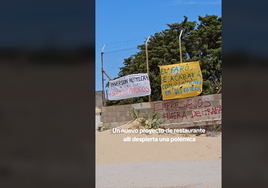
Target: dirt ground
(110, 149)
(157, 164)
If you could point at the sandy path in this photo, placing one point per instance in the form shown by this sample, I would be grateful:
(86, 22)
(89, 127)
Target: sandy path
(110, 149)
(157, 164)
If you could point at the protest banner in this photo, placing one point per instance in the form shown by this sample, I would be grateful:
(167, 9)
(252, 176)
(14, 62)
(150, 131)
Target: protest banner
(133, 85)
(181, 80)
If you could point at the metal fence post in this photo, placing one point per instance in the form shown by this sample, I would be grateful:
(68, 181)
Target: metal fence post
(180, 46)
(103, 97)
(147, 61)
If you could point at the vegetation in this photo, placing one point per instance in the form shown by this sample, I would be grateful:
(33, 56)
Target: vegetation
(214, 131)
(103, 128)
(148, 123)
(200, 42)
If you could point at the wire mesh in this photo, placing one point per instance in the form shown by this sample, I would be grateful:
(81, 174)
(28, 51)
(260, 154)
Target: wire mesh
(114, 55)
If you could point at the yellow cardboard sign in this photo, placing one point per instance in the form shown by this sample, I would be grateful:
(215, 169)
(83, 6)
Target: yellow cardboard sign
(181, 80)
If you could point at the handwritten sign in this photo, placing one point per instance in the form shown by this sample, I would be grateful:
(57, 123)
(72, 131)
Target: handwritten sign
(181, 80)
(133, 85)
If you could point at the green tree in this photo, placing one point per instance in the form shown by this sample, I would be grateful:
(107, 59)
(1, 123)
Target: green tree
(200, 42)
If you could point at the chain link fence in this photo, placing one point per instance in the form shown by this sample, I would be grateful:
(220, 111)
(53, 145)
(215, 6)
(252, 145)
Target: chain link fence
(114, 55)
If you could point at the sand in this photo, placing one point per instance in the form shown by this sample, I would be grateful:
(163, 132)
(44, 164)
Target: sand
(157, 164)
(110, 149)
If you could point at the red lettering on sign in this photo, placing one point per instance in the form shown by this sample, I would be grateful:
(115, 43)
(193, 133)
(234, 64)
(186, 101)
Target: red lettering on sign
(208, 102)
(158, 106)
(195, 113)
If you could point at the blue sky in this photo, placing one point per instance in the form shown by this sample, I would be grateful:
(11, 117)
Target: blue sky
(132, 21)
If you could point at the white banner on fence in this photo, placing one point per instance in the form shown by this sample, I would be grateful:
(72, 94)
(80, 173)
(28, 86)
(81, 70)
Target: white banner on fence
(133, 85)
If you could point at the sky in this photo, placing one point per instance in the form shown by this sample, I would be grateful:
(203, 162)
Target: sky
(130, 21)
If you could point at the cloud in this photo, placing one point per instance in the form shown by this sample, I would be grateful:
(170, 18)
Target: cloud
(185, 2)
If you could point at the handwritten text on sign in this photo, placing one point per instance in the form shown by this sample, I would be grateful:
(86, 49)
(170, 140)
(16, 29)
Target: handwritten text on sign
(179, 109)
(181, 80)
(133, 85)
